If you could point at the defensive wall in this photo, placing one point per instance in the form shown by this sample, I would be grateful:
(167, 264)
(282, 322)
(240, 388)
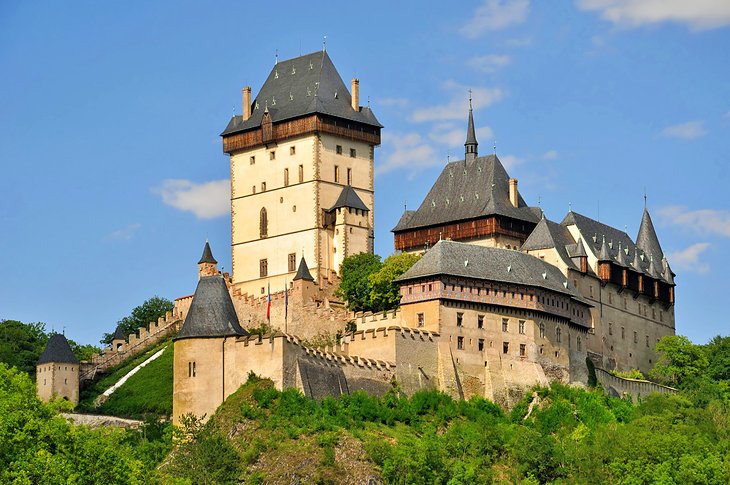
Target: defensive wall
(620, 386)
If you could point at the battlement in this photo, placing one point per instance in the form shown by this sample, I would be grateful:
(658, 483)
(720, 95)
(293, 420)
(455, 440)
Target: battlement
(370, 320)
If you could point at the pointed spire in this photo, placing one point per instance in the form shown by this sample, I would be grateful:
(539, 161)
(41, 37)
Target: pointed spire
(621, 256)
(119, 334)
(647, 239)
(580, 250)
(303, 271)
(604, 255)
(652, 271)
(637, 261)
(207, 256)
(668, 275)
(471, 143)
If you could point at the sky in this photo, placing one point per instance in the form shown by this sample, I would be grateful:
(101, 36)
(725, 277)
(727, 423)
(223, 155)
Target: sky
(113, 173)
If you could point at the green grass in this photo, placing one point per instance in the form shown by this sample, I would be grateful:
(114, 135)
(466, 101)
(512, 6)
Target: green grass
(148, 392)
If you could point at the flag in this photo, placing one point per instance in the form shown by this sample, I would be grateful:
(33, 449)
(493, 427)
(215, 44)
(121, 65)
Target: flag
(286, 303)
(268, 305)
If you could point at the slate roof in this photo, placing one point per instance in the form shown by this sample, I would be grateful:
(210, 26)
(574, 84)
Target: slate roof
(211, 312)
(404, 220)
(486, 263)
(471, 137)
(549, 234)
(349, 198)
(647, 239)
(58, 350)
(469, 190)
(303, 271)
(119, 334)
(207, 256)
(301, 86)
(593, 233)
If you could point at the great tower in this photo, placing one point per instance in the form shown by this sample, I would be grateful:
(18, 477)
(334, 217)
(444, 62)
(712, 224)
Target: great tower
(301, 159)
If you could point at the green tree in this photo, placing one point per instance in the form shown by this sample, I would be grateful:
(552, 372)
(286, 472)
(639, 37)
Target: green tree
(718, 356)
(141, 316)
(21, 344)
(680, 360)
(384, 292)
(354, 286)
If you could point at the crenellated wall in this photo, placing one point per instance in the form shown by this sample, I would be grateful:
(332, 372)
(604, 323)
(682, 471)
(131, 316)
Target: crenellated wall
(635, 388)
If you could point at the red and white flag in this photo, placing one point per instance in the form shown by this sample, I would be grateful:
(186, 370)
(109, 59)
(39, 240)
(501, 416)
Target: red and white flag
(268, 305)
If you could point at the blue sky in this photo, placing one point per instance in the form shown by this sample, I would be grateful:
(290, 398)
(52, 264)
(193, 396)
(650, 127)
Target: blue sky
(113, 173)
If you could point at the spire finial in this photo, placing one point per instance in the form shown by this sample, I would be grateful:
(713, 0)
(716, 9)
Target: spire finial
(570, 207)
(470, 108)
(644, 197)
(276, 57)
(495, 147)
(324, 44)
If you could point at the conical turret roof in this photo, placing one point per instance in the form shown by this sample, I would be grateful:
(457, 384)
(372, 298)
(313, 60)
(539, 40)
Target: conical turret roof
(58, 350)
(303, 271)
(580, 250)
(471, 136)
(207, 256)
(604, 255)
(211, 312)
(647, 239)
(667, 274)
(621, 256)
(119, 334)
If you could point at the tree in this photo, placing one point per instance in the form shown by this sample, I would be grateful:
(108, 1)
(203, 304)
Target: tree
(141, 316)
(354, 286)
(384, 292)
(680, 360)
(21, 344)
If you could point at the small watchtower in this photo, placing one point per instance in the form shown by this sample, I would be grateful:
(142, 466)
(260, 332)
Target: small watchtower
(207, 266)
(57, 372)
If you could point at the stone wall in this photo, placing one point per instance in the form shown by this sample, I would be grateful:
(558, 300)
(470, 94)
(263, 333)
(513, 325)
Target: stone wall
(620, 387)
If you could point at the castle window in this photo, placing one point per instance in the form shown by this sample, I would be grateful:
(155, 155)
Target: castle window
(610, 298)
(44, 382)
(292, 260)
(647, 341)
(636, 338)
(480, 321)
(263, 267)
(338, 149)
(522, 327)
(430, 286)
(286, 177)
(301, 173)
(263, 186)
(623, 333)
(523, 350)
(421, 319)
(505, 324)
(459, 319)
(252, 160)
(653, 314)
(263, 223)
(349, 176)
(191, 369)
(253, 189)
(65, 381)
(292, 150)
(460, 343)
(505, 347)
(353, 153)
(542, 330)
(272, 155)
(590, 290)
(480, 344)
(337, 173)
(578, 343)
(558, 334)
(610, 328)
(661, 316)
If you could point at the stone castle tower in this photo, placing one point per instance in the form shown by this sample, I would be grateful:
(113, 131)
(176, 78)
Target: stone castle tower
(57, 372)
(301, 159)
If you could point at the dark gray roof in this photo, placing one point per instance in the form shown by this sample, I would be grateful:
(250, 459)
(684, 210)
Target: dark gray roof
(621, 256)
(548, 234)
(579, 250)
(647, 239)
(211, 312)
(469, 190)
(349, 198)
(119, 334)
(303, 271)
(668, 275)
(471, 136)
(304, 85)
(58, 350)
(653, 271)
(604, 254)
(494, 264)
(207, 256)
(403, 221)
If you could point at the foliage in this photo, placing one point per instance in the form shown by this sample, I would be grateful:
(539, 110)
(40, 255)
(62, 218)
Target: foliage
(680, 360)
(629, 374)
(38, 446)
(384, 292)
(354, 286)
(149, 311)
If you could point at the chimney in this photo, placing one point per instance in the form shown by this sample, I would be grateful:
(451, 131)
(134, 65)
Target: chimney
(246, 94)
(355, 94)
(514, 196)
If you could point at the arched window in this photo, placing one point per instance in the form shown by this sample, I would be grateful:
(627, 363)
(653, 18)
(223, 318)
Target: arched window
(263, 223)
(542, 330)
(557, 334)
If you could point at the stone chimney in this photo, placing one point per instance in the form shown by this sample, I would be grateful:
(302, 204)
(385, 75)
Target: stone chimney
(355, 94)
(246, 94)
(514, 196)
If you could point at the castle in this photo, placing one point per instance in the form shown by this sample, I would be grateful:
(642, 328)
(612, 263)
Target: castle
(501, 299)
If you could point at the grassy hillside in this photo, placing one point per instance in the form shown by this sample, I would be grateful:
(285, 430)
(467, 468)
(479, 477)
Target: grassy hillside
(557, 435)
(148, 392)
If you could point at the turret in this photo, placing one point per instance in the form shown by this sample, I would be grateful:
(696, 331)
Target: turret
(57, 371)
(207, 266)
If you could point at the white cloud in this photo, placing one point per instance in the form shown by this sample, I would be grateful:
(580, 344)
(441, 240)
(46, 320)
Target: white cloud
(489, 62)
(702, 221)
(458, 106)
(511, 161)
(495, 15)
(550, 155)
(685, 131)
(519, 42)
(124, 234)
(398, 102)
(453, 136)
(206, 200)
(406, 150)
(697, 14)
(689, 259)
